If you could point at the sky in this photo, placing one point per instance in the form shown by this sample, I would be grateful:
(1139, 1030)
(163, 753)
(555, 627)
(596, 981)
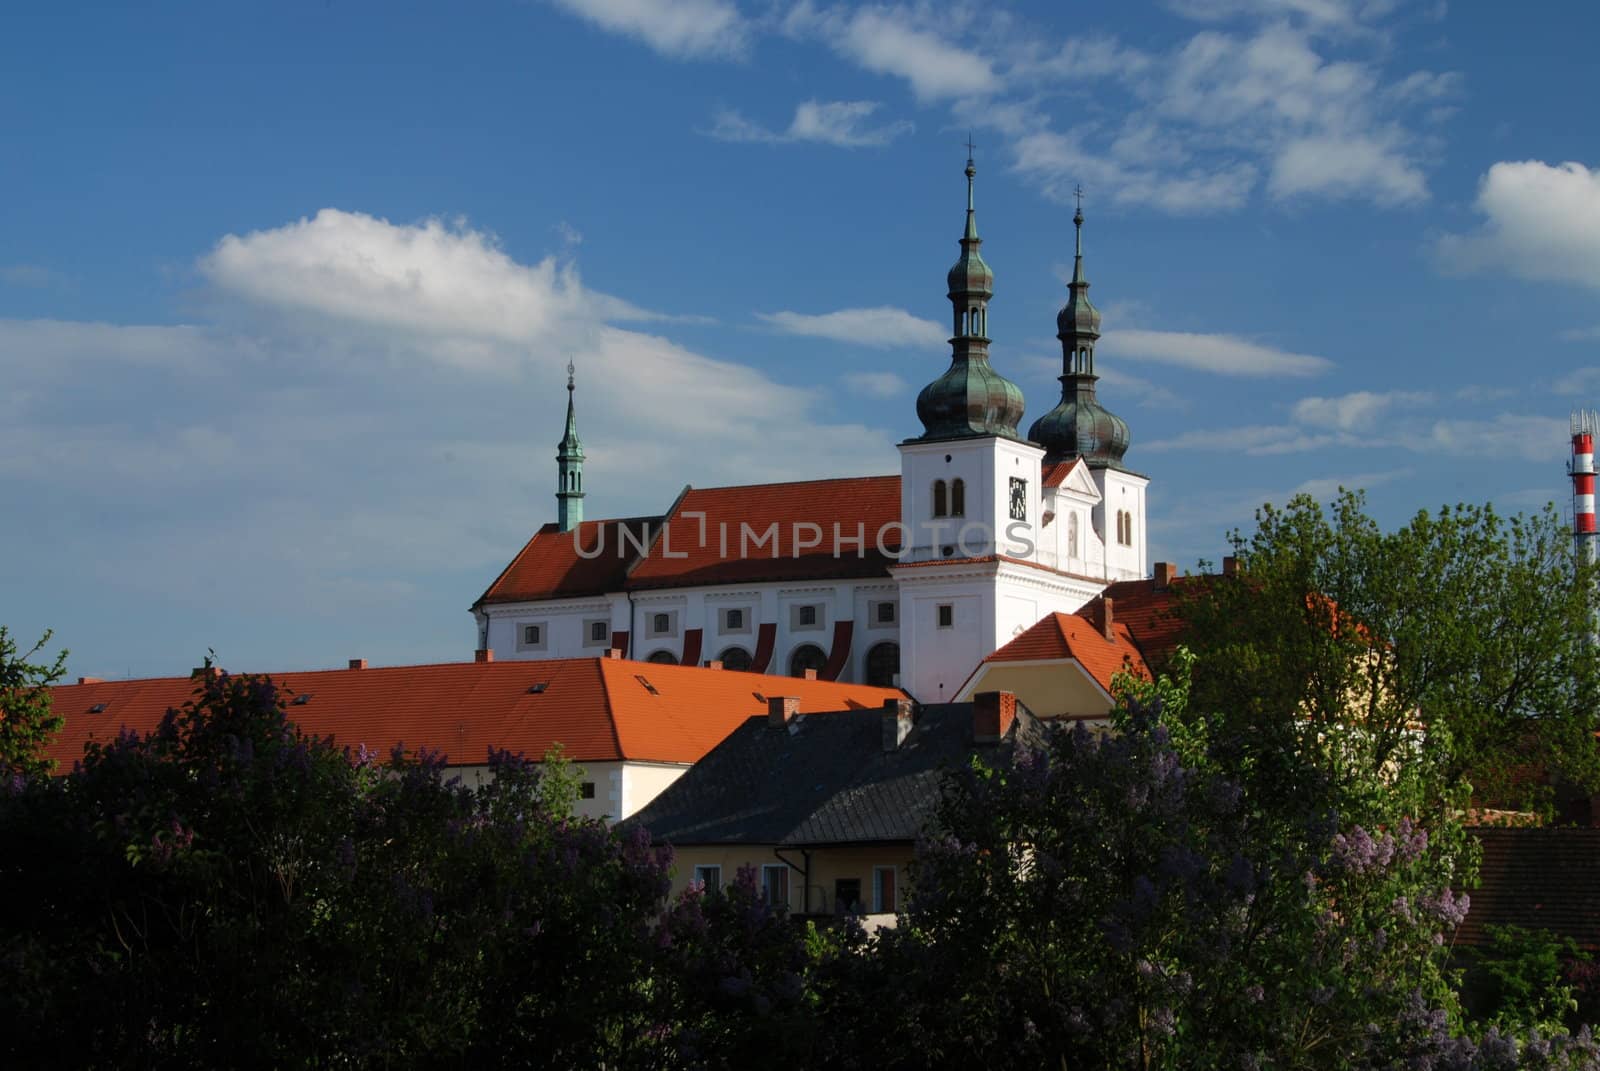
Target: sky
(287, 290)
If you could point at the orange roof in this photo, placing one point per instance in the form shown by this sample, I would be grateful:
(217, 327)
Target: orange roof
(728, 545)
(599, 709)
(550, 566)
(1148, 609)
(1056, 473)
(1057, 637)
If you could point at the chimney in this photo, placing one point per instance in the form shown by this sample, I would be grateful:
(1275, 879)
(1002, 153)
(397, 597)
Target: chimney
(1107, 619)
(358, 663)
(1230, 566)
(614, 652)
(210, 672)
(713, 664)
(781, 710)
(91, 680)
(897, 722)
(1166, 573)
(809, 675)
(992, 715)
(483, 654)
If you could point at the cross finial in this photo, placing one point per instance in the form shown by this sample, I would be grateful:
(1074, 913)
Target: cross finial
(970, 147)
(1078, 193)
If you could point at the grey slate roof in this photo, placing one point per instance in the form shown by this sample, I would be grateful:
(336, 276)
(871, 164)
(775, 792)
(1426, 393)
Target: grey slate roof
(823, 779)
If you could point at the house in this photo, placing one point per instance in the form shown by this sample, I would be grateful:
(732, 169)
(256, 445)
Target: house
(910, 578)
(827, 807)
(1544, 878)
(633, 727)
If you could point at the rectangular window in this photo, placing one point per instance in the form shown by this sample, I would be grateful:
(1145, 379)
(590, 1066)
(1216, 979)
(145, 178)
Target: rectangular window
(846, 895)
(599, 631)
(883, 889)
(531, 636)
(733, 619)
(709, 876)
(947, 615)
(885, 615)
(586, 790)
(808, 615)
(775, 884)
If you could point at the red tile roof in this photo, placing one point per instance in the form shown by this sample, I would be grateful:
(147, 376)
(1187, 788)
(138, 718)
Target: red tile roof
(1148, 610)
(1057, 637)
(550, 566)
(599, 709)
(728, 553)
(1540, 879)
(1056, 473)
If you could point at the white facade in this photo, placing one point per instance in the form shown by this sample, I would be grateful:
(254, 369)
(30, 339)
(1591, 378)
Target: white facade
(619, 789)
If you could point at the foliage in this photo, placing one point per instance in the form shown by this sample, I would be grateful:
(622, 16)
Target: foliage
(26, 721)
(1529, 986)
(1340, 643)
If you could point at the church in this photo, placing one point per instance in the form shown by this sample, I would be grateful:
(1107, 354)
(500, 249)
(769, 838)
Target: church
(907, 579)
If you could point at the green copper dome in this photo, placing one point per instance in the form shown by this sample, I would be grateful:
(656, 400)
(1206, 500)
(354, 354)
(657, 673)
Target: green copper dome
(1079, 426)
(971, 398)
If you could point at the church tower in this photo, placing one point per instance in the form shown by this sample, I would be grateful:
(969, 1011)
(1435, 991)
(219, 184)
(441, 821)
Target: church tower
(1080, 427)
(969, 496)
(569, 468)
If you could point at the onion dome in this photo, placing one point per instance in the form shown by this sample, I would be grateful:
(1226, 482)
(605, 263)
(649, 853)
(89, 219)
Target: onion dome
(1079, 426)
(971, 398)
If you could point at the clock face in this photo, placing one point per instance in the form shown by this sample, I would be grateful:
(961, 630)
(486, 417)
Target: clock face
(1019, 499)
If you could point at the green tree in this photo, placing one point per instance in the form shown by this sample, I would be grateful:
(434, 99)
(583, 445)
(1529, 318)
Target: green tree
(1341, 658)
(26, 720)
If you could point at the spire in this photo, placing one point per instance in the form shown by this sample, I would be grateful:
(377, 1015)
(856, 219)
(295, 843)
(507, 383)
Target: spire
(971, 398)
(1079, 426)
(569, 466)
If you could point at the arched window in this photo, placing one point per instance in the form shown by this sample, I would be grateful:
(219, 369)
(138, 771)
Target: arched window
(958, 498)
(1129, 526)
(806, 656)
(883, 665)
(663, 658)
(1072, 534)
(735, 658)
(941, 507)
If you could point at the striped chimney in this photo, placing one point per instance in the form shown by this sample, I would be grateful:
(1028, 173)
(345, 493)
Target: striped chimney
(1585, 423)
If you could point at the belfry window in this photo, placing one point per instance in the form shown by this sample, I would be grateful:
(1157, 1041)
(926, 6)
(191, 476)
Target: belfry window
(958, 498)
(941, 504)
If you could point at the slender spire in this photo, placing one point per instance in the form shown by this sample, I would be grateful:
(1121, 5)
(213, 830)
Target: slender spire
(971, 234)
(569, 466)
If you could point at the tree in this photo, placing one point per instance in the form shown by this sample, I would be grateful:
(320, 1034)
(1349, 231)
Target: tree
(1454, 648)
(26, 721)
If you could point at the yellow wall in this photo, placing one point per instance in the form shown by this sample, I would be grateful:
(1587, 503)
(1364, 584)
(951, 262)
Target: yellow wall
(1049, 689)
(827, 865)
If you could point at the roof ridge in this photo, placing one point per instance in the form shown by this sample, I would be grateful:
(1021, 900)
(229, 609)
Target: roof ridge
(610, 707)
(792, 483)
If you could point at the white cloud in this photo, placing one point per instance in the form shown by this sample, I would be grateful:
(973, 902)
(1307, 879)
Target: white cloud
(841, 123)
(1142, 390)
(877, 384)
(1542, 221)
(883, 327)
(1358, 411)
(1324, 488)
(677, 28)
(901, 41)
(1346, 166)
(1223, 354)
(1522, 436)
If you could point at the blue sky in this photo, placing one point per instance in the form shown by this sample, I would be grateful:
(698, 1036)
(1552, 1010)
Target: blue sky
(286, 290)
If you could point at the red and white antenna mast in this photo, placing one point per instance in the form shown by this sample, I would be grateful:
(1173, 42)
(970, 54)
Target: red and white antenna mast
(1585, 425)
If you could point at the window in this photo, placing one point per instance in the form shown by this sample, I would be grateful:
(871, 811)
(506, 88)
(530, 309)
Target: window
(1072, 534)
(586, 790)
(599, 632)
(947, 615)
(846, 895)
(775, 884)
(1124, 528)
(530, 636)
(883, 665)
(709, 876)
(1129, 527)
(736, 618)
(1019, 499)
(736, 658)
(663, 658)
(660, 623)
(808, 615)
(733, 619)
(883, 889)
(883, 613)
(941, 505)
(958, 498)
(807, 656)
